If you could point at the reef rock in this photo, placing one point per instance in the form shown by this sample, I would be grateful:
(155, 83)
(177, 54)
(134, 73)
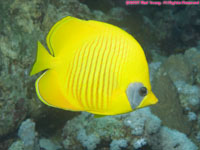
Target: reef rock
(178, 68)
(169, 109)
(136, 130)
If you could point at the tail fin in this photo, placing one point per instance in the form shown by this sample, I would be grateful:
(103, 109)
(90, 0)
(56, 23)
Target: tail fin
(43, 60)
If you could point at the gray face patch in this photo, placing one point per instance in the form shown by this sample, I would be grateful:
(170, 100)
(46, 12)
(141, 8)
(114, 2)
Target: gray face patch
(136, 93)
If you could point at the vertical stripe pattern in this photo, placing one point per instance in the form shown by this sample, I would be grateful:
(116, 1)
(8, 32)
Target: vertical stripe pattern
(94, 72)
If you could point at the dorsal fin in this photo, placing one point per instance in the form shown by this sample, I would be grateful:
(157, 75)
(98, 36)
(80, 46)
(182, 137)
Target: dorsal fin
(67, 34)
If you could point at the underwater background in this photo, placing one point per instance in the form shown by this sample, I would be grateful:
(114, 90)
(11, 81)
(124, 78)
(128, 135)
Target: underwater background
(170, 37)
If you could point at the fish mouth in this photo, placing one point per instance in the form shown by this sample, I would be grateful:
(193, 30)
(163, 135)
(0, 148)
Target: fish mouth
(150, 99)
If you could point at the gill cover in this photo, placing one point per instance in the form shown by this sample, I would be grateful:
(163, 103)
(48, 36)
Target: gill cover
(138, 97)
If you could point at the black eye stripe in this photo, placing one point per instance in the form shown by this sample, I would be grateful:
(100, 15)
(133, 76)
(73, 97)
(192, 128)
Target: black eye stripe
(143, 91)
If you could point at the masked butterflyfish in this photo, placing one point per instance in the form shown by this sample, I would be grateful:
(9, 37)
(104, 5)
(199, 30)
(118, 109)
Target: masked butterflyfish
(92, 66)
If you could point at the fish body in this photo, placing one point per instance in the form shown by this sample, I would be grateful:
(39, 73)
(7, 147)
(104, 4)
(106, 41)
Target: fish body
(92, 66)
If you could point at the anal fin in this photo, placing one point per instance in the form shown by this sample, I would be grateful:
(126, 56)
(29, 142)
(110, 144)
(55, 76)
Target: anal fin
(51, 92)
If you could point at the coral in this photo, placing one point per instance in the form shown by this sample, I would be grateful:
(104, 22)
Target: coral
(192, 116)
(27, 134)
(152, 124)
(153, 67)
(169, 108)
(136, 122)
(18, 145)
(118, 144)
(139, 143)
(47, 144)
(28, 139)
(140, 128)
(118, 12)
(141, 119)
(178, 68)
(87, 132)
(176, 85)
(173, 140)
(184, 70)
(86, 129)
(189, 94)
(177, 34)
(198, 136)
(66, 143)
(193, 56)
(88, 141)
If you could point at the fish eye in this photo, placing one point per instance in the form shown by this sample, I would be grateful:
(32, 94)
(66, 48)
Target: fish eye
(143, 91)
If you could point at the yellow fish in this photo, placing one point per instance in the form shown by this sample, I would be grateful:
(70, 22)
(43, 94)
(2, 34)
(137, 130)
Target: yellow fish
(92, 66)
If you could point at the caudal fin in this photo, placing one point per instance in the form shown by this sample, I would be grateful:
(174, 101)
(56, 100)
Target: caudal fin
(43, 60)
